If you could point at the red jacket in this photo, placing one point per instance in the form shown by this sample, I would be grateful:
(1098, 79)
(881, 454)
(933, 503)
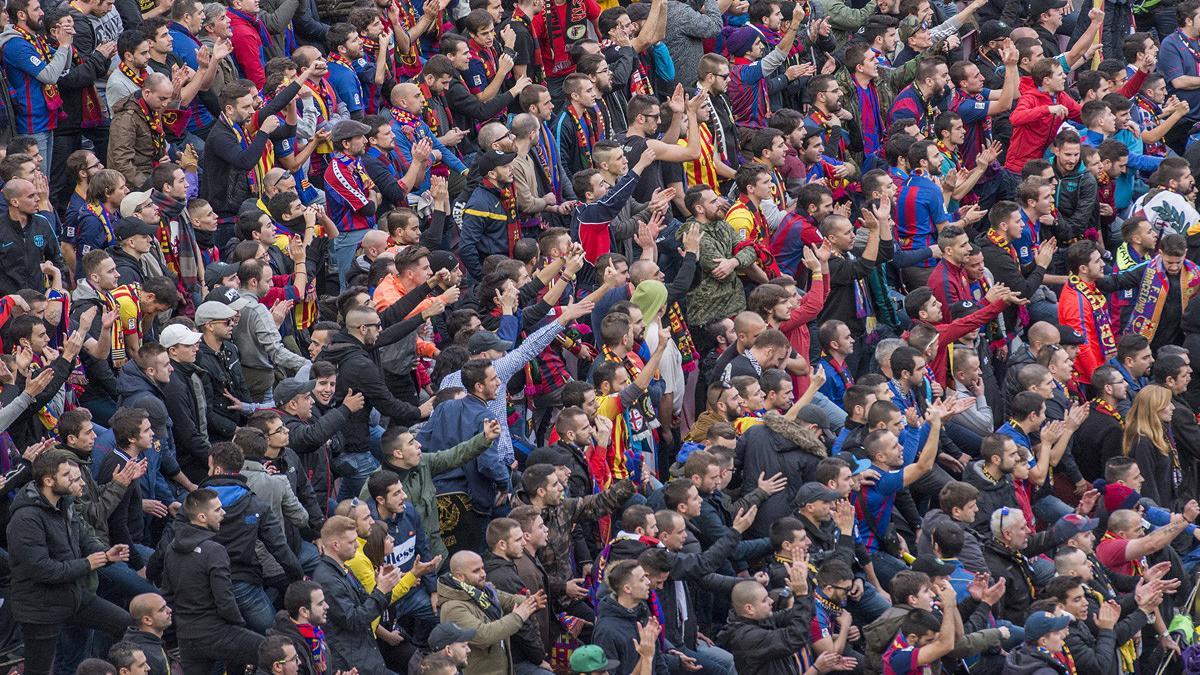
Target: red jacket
(949, 285)
(249, 51)
(1033, 125)
(950, 332)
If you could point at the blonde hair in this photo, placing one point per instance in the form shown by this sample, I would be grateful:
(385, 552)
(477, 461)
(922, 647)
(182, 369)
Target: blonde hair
(1143, 419)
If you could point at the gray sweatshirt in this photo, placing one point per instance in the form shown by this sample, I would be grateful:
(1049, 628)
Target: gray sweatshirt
(259, 341)
(685, 39)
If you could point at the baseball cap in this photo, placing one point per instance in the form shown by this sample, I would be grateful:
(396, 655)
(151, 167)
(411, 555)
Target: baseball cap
(1074, 523)
(215, 272)
(178, 334)
(132, 201)
(909, 27)
(1069, 336)
(814, 492)
(993, 30)
(442, 260)
(547, 455)
(445, 634)
(485, 340)
(1040, 7)
(590, 658)
(486, 161)
(213, 311)
(128, 227)
(229, 296)
(932, 566)
(962, 308)
(290, 388)
(1039, 624)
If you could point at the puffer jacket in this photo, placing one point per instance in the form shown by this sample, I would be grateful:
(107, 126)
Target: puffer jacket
(196, 581)
(779, 445)
(768, 646)
(1075, 197)
(490, 654)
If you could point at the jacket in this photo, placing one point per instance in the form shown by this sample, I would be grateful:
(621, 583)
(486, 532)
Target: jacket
(1001, 562)
(222, 371)
(1075, 198)
(769, 646)
(348, 629)
(259, 341)
(972, 550)
(469, 110)
(1026, 660)
(101, 376)
(1095, 650)
(97, 502)
(879, 633)
(616, 632)
(26, 428)
(1033, 125)
(285, 627)
(186, 405)
(555, 556)
(48, 548)
(79, 82)
(418, 483)
(316, 441)
(196, 582)
(288, 465)
(485, 224)
(991, 495)
(276, 493)
(778, 446)
(691, 24)
(359, 369)
(1008, 271)
(527, 643)
(22, 251)
(490, 653)
(140, 391)
(1098, 439)
(225, 163)
(153, 647)
(126, 525)
(134, 151)
(714, 298)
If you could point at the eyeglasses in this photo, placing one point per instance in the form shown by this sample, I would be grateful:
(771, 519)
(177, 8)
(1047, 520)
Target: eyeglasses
(723, 76)
(294, 658)
(281, 430)
(372, 325)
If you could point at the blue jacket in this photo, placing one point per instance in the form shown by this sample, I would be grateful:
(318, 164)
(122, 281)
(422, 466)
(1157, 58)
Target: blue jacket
(481, 478)
(484, 229)
(404, 144)
(139, 391)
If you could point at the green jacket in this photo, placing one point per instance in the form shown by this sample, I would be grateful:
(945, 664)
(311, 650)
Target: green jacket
(845, 20)
(418, 484)
(713, 298)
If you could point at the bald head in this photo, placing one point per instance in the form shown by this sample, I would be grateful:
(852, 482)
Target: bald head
(144, 605)
(746, 593)
(1023, 32)
(374, 239)
(304, 56)
(524, 125)
(490, 133)
(403, 91)
(748, 325)
(463, 561)
(16, 188)
(1043, 333)
(642, 270)
(1122, 520)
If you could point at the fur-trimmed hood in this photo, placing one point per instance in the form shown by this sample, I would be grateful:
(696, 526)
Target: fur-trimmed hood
(792, 431)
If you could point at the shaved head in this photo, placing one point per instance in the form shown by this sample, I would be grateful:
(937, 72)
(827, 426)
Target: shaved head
(1044, 332)
(15, 188)
(463, 560)
(403, 90)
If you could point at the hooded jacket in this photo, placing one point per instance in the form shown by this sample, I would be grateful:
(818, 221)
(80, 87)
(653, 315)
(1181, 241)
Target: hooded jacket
(359, 369)
(490, 650)
(561, 519)
(48, 548)
(1033, 125)
(1026, 660)
(285, 627)
(1075, 197)
(196, 581)
(153, 647)
(779, 445)
(220, 371)
(527, 644)
(315, 442)
(972, 550)
(991, 495)
(138, 390)
(616, 631)
(352, 609)
(768, 646)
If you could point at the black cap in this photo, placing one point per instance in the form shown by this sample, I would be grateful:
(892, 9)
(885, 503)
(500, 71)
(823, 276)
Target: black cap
(228, 296)
(963, 308)
(1069, 336)
(485, 340)
(486, 161)
(548, 455)
(932, 566)
(290, 388)
(445, 634)
(216, 271)
(814, 492)
(1040, 7)
(442, 260)
(994, 30)
(128, 227)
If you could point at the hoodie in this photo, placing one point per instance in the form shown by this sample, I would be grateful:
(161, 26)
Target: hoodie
(1033, 125)
(154, 649)
(1026, 660)
(284, 626)
(779, 445)
(196, 581)
(972, 550)
(359, 369)
(616, 631)
(101, 382)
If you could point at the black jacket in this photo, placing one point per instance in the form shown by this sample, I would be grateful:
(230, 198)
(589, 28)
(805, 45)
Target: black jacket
(1095, 650)
(22, 252)
(348, 629)
(129, 268)
(126, 523)
(778, 446)
(285, 627)
(991, 496)
(289, 465)
(1026, 660)
(221, 371)
(527, 644)
(359, 369)
(225, 162)
(616, 631)
(196, 581)
(1006, 270)
(768, 647)
(80, 78)
(154, 649)
(468, 110)
(1018, 594)
(317, 442)
(28, 428)
(1098, 439)
(188, 422)
(48, 548)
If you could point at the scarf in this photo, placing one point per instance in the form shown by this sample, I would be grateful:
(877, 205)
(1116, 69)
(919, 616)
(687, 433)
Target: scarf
(1152, 113)
(101, 213)
(1137, 567)
(1106, 408)
(871, 123)
(1099, 309)
(561, 36)
(484, 598)
(588, 129)
(682, 337)
(54, 101)
(839, 147)
(91, 111)
(1153, 291)
(314, 637)
(182, 255)
(760, 229)
(841, 371)
(1173, 451)
(862, 301)
(929, 115)
(951, 156)
(264, 163)
(1063, 658)
(1026, 570)
(1001, 241)
(485, 56)
(117, 355)
(508, 201)
(135, 76)
(254, 21)
(546, 151)
(154, 122)
(832, 610)
(629, 364)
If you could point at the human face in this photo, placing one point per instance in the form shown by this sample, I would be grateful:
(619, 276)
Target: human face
(973, 80)
(1056, 81)
(1055, 641)
(139, 57)
(386, 138)
(1095, 268)
(777, 152)
(762, 188)
(160, 617)
(323, 389)
(459, 652)
(219, 25)
(34, 15)
(1139, 364)
(473, 573)
(486, 36)
(958, 133)
(1166, 413)
(243, 108)
(814, 147)
(1157, 93)
(1052, 19)
(407, 452)
(213, 514)
(603, 78)
(163, 41)
(1135, 479)
(554, 490)
(1014, 527)
(27, 200)
(538, 534)
(638, 585)
(760, 607)
(491, 385)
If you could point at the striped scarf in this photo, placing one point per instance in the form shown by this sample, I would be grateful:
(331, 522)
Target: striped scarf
(54, 101)
(314, 637)
(871, 123)
(265, 162)
(682, 337)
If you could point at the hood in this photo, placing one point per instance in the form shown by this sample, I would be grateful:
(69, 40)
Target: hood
(230, 489)
(799, 437)
(133, 380)
(341, 346)
(975, 477)
(83, 291)
(285, 626)
(128, 103)
(7, 35)
(610, 608)
(1025, 661)
(492, 562)
(189, 537)
(626, 549)
(30, 497)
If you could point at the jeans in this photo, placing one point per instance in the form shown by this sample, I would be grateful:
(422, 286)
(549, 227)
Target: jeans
(45, 143)
(119, 583)
(344, 248)
(417, 607)
(1050, 509)
(256, 607)
(308, 558)
(41, 639)
(968, 441)
(837, 416)
(1160, 19)
(886, 567)
(712, 660)
(233, 645)
(356, 468)
(869, 606)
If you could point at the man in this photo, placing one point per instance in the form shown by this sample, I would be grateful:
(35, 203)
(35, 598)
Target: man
(44, 533)
(351, 609)
(1082, 305)
(258, 339)
(196, 580)
(1168, 277)
(1044, 646)
(922, 213)
(220, 361)
(977, 104)
(349, 198)
(139, 132)
(719, 292)
(644, 115)
(489, 225)
(579, 125)
(1175, 62)
(621, 611)
(278, 656)
(713, 80)
(922, 641)
(1094, 638)
(36, 246)
(450, 642)
(1040, 111)
(151, 618)
(544, 151)
(506, 544)
(468, 601)
(33, 70)
(305, 612)
(848, 299)
(385, 166)
(133, 50)
(346, 47)
(132, 437)
(1002, 255)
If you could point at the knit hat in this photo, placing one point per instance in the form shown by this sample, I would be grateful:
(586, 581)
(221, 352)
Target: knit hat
(741, 40)
(1117, 496)
(649, 296)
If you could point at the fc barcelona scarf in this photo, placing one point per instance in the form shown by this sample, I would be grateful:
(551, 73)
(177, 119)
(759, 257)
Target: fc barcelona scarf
(1152, 294)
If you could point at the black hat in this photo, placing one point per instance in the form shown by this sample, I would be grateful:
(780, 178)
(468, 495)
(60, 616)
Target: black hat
(216, 271)
(486, 161)
(963, 308)
(128, 227)
(1069, 336)
(993, 30)
(445, 634)
(485, 340)
(548, 455)
(814, 492)
(228, 296)
(442, 260)
(1039, 7)
(932, 566)
(290, 388)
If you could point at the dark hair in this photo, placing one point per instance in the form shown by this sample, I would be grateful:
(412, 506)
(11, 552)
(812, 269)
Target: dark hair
(121, 654)
(1024, 404)
(198, 500)
(299, 595)
(226, 456)
(919, 622)
(537, 477)
(949, 538)
(906, 584)
(128, 41)
(474, 372)
(1166, 366)
(957, 494)
(126, 423)
(271, 651)
(636, 516)
(251, 440)
(904, 358)
(676, 492)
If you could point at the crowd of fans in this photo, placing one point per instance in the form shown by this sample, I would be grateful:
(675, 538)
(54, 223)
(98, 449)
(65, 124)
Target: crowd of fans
(537, 337)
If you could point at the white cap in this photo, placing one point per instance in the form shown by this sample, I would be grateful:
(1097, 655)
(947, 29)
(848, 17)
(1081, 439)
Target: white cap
(178, 334)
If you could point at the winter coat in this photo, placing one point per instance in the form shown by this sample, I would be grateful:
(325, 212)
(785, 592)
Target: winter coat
(48, 548)
(184, 398)
(196, 582)
(769, 646)
(275, 491)
(616, 631)
(126, 524)
(359, 369)
(1026, 660)
(316, 442)
(991, 495)
(418, 483)
(1095, 650)
(220, 371)
(555, 556)
(133, 151)
(1018, 594)
(97, 502)
(972, 551)
(1033, 125)
(490, 652)
(348, 630)
(527, 644)
(139, 390)
(782, 446)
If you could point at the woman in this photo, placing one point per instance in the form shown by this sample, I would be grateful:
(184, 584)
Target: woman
(372, 553)
(1149, 441)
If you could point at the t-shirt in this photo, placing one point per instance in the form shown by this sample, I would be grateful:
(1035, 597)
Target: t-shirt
(22, 65)
(901, 658)
(877, 500)
(1111, 553)
(1176, 58)
(652, 176)
(1168, 212)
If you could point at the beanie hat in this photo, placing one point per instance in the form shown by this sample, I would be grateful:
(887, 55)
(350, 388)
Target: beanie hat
(741, 40)
(1116, 496)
